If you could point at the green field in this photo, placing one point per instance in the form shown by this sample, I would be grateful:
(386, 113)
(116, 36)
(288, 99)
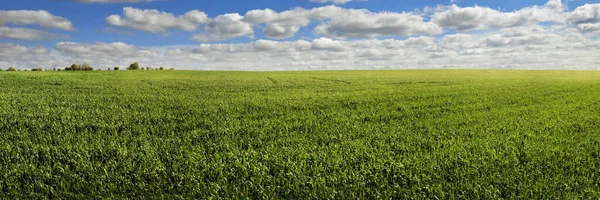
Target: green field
(421, 134)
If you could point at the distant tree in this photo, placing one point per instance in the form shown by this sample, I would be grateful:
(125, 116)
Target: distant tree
(116, 68)
(161, 68)
(26, 70)
(36, 69)
(11, 69)
(74, 67)
(134, 66)
(86, 67)
(172, 69)
(108, 69)
(147, 68)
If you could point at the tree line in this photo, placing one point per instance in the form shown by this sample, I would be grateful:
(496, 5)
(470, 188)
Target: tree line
(87, 67)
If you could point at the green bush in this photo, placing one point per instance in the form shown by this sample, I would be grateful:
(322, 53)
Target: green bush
(134, 66)
(75, 67)
(11, 69)
(116, 68)
(86, 67)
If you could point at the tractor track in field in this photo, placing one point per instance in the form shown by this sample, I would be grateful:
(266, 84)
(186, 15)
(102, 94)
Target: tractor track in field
(273, 80)
(333, 80)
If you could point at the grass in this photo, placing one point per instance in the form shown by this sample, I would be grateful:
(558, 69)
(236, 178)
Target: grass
(420, 134)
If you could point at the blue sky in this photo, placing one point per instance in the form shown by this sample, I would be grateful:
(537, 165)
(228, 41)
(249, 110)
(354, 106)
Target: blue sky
(381, 20)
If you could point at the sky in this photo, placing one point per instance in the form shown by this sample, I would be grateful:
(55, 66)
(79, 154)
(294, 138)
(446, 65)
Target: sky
(301, 34)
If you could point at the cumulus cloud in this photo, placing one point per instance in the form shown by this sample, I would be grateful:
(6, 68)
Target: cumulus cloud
(589, 28)
(340, 22)
(40, 18)
(478, 18)
(155, 21)
(224, 27)
(524, 47)
(28, 34)
(32, 17)
(116, 50)
(528, 47)
(586, 14)
(287, 23)
(336, 22)
(18, 56)
(365, 24)
(10, 50)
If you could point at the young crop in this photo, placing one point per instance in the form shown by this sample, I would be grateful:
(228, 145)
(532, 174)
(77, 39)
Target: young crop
(410, 134)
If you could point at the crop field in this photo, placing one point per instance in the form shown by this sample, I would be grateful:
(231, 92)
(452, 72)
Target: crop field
(420, 134)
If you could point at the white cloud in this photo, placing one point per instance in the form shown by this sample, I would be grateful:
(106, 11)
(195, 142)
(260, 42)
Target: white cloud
(18, 56)
(329, 45)
(155, 21)
(586, 14)
(28, 34)
(340, 22)
(224, 27)
(365, 24)
(40, 18)
(525, 47)
(336, 22)
(31, 17)
(529, 47)
(11, 50)
(587, 28)
(478, 18)
(287, 23)
(116, 50)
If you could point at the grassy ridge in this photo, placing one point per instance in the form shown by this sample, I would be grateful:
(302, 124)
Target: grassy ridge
(336, 134)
